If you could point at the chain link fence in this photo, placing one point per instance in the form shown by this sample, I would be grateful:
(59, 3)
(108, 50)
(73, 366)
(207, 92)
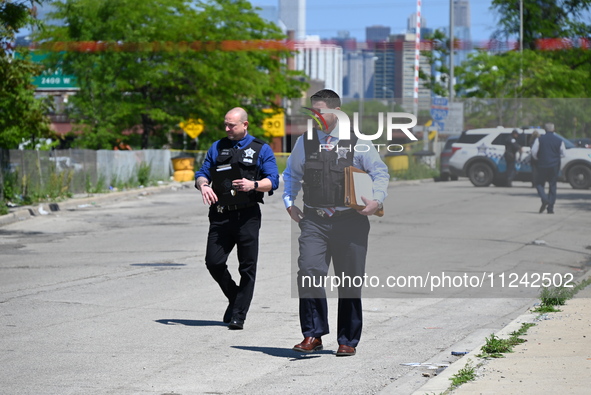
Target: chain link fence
(81, 170)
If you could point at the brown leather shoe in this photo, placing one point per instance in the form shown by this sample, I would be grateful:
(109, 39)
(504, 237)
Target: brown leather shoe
(309, 344)
(345, 351)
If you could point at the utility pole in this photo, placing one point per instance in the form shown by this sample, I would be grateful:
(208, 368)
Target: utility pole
(451, 51)
(417, 57)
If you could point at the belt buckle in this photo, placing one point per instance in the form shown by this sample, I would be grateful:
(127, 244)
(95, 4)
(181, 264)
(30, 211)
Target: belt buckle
(320, 212)
(220, 209)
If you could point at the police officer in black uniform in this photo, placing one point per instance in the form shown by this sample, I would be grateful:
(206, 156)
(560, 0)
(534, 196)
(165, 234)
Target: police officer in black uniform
(511, 150)
(236, 172)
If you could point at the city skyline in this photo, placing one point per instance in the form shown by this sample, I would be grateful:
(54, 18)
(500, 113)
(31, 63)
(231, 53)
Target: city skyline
(328, 18)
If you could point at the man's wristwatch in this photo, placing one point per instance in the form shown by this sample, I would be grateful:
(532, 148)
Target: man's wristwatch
(256, 185)
(380, 204)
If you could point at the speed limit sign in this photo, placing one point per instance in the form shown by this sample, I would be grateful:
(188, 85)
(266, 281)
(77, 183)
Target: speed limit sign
(274, 125)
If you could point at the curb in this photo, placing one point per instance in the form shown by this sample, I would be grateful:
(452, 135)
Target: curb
(46, 208)
(441, 383)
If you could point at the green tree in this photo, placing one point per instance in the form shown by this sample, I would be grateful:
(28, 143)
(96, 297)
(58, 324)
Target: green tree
(564, 20)
(21, 114)
(518, 75)
(438, 61)
(542, 19)
(160, 79)
(510, 77)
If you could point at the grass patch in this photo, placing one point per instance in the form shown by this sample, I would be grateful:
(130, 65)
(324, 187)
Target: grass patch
(550, 297)
(464, 375)
(281, 162)
(99, 187)
(495, 346)
(143, 173)
(415, 171)
(25, 190)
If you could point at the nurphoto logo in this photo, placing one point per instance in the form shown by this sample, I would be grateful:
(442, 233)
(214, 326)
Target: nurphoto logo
(345, 128)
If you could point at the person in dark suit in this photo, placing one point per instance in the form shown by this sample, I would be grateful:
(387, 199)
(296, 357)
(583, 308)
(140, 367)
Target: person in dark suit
(548, 149)
(330, 231)
(234, 212)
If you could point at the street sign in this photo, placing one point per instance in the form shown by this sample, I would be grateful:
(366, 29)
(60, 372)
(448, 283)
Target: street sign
(274, 126)
(193, 127)
(439, 109)
(439, 114)
(51, 79)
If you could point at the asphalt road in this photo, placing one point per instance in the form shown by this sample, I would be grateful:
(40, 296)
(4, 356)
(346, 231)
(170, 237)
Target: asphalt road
(114, 298)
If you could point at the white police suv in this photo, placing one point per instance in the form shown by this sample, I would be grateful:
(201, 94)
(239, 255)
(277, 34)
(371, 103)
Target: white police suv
(478, 155)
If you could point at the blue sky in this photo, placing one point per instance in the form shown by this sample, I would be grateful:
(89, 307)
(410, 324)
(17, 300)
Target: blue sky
(326, 17)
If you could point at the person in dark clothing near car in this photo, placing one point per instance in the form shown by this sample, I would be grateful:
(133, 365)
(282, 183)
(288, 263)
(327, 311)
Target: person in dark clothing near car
(511, 150)
(533, 161)
(548, 149)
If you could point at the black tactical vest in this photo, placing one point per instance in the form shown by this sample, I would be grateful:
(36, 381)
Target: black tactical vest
(324, 172)
(246, 159)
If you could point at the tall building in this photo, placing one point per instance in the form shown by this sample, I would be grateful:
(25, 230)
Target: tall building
(377, 33)
(358, 74)
(462, 13)
(405, 74)
(292, 14)
(384, 83)
(462, 34)
(412, 25)
(321, 61)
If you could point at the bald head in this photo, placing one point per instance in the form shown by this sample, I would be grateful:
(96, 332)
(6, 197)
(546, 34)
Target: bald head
(238, 112)
(236, 122)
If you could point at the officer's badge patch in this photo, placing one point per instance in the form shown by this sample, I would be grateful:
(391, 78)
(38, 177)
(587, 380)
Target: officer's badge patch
(249, 153)
(342, 152)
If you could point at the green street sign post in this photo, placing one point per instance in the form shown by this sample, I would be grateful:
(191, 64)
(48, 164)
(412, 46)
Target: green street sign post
(52, 79)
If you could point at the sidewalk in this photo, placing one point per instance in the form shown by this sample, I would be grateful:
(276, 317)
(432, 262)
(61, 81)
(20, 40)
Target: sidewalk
(83, 200)
(555, 359)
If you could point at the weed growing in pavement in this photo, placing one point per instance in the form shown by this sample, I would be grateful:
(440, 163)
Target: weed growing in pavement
(24, 190)
(415, 171)
(99, 187)
(465, 374)
(143, 173)
(557, 296)
(495, 347)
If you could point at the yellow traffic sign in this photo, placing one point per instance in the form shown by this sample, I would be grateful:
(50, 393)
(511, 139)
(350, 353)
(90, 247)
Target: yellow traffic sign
(274, 126)
(193, 127)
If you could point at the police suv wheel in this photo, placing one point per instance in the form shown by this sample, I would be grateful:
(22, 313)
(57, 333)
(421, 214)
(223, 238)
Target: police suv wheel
(480, 174)
(579, 177)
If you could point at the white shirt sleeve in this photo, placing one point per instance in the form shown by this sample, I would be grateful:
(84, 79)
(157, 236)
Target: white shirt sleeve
(535, 148)
(562, 148)
(293, 173)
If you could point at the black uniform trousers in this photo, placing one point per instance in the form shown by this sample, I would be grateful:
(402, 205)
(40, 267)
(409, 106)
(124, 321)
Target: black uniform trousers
(510, 160)
(342, 238)
(238, 228)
